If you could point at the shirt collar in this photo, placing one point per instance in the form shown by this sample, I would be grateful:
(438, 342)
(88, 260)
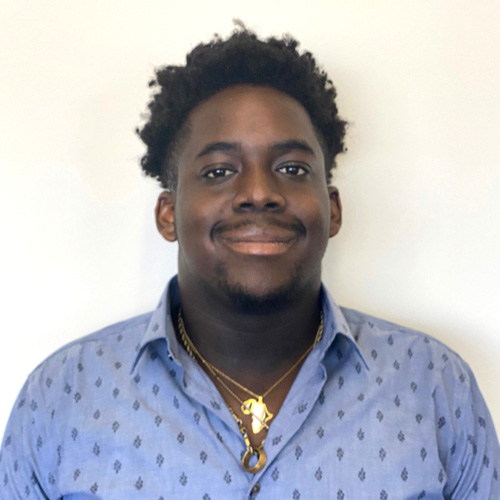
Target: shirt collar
(161, 327)
(335, 324)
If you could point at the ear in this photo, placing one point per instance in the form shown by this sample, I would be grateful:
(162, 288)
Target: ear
(165, 215)
(335, 211)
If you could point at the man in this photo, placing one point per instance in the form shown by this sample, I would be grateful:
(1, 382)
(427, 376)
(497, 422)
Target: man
(248, 380)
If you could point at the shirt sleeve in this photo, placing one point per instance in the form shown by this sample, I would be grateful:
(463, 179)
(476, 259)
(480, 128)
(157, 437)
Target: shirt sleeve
(471, 453)
(19, 469)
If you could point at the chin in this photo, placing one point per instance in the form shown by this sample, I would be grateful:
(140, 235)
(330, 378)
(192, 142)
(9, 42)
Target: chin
(259, 299)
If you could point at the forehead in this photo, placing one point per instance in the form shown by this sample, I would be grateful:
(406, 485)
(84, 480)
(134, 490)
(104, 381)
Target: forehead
(250, 115)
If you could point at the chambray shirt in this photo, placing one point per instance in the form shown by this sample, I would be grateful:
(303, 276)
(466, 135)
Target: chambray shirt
(376, 412)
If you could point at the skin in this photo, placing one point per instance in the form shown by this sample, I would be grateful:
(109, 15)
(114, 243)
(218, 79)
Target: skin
(252, 213)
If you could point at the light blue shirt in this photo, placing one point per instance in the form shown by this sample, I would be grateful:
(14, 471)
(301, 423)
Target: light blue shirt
(376, 412)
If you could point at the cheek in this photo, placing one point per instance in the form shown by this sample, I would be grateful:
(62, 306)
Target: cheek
(194, 222)
(316, 215)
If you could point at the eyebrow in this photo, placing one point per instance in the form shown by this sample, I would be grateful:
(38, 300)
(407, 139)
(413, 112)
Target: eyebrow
(288, 145)
(219, 146)
(291, 145)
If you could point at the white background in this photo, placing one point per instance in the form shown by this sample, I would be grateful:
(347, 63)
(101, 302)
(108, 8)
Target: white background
(419, 81)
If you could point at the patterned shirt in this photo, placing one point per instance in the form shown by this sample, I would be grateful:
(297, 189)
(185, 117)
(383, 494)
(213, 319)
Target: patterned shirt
(376, 412)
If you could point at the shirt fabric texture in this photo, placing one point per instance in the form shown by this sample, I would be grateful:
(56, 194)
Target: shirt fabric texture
(376, 412)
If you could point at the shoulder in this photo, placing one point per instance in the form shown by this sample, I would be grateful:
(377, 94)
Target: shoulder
(129, 331)
(414, 365)
(59, 387)
(66, 390)
(427, 383)
(382, 341)
(95, 356)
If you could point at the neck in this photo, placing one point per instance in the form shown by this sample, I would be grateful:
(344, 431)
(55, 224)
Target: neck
(251, 347)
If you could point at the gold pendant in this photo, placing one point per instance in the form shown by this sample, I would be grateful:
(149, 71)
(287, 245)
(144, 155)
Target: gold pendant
(259, 454)
(260, 414)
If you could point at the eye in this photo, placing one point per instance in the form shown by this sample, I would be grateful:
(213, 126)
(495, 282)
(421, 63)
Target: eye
(292, 169)
(218, 172)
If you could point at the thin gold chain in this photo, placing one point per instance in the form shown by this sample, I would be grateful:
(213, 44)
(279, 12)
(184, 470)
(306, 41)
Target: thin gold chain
(217, 373)
(257, 453)
(194, 353)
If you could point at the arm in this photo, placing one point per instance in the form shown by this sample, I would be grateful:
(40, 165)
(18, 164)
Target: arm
(471, 452)
(20, 472)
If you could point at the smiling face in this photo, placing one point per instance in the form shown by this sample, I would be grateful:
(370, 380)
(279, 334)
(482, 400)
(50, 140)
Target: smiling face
(252, 211)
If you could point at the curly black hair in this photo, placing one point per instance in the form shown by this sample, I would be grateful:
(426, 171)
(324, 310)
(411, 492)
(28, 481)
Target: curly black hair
(241, 59)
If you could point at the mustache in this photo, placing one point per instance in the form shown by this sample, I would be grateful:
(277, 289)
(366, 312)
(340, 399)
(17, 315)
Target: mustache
(262, 221)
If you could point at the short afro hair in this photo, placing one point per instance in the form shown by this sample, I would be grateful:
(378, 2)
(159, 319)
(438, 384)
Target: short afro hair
(241, 59)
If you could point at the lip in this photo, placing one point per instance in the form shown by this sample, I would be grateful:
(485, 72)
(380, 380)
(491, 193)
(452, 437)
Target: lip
(262, 248)
(253, 239)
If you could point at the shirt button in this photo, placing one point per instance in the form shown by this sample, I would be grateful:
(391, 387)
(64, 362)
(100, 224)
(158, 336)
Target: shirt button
(255, 489)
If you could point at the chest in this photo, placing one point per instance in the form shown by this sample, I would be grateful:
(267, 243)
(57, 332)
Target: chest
(340, 438)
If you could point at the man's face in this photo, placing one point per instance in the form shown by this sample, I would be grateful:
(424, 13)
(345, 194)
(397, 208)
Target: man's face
(252, 211)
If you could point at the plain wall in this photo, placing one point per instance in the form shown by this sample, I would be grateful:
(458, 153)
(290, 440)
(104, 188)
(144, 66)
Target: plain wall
(418, 81)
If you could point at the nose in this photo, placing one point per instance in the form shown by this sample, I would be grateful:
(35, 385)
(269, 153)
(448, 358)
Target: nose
(257, 189)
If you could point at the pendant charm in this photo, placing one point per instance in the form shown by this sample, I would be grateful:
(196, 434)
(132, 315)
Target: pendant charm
(260, 456)
(260, 414)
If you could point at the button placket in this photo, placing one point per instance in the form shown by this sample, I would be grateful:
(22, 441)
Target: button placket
(255, 490)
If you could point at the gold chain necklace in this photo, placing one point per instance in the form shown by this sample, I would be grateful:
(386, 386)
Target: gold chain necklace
(254, 406)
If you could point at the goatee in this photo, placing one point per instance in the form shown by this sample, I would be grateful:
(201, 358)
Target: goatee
(251, 303)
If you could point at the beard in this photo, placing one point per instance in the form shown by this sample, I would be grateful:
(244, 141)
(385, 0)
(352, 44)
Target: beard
(250, 302)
